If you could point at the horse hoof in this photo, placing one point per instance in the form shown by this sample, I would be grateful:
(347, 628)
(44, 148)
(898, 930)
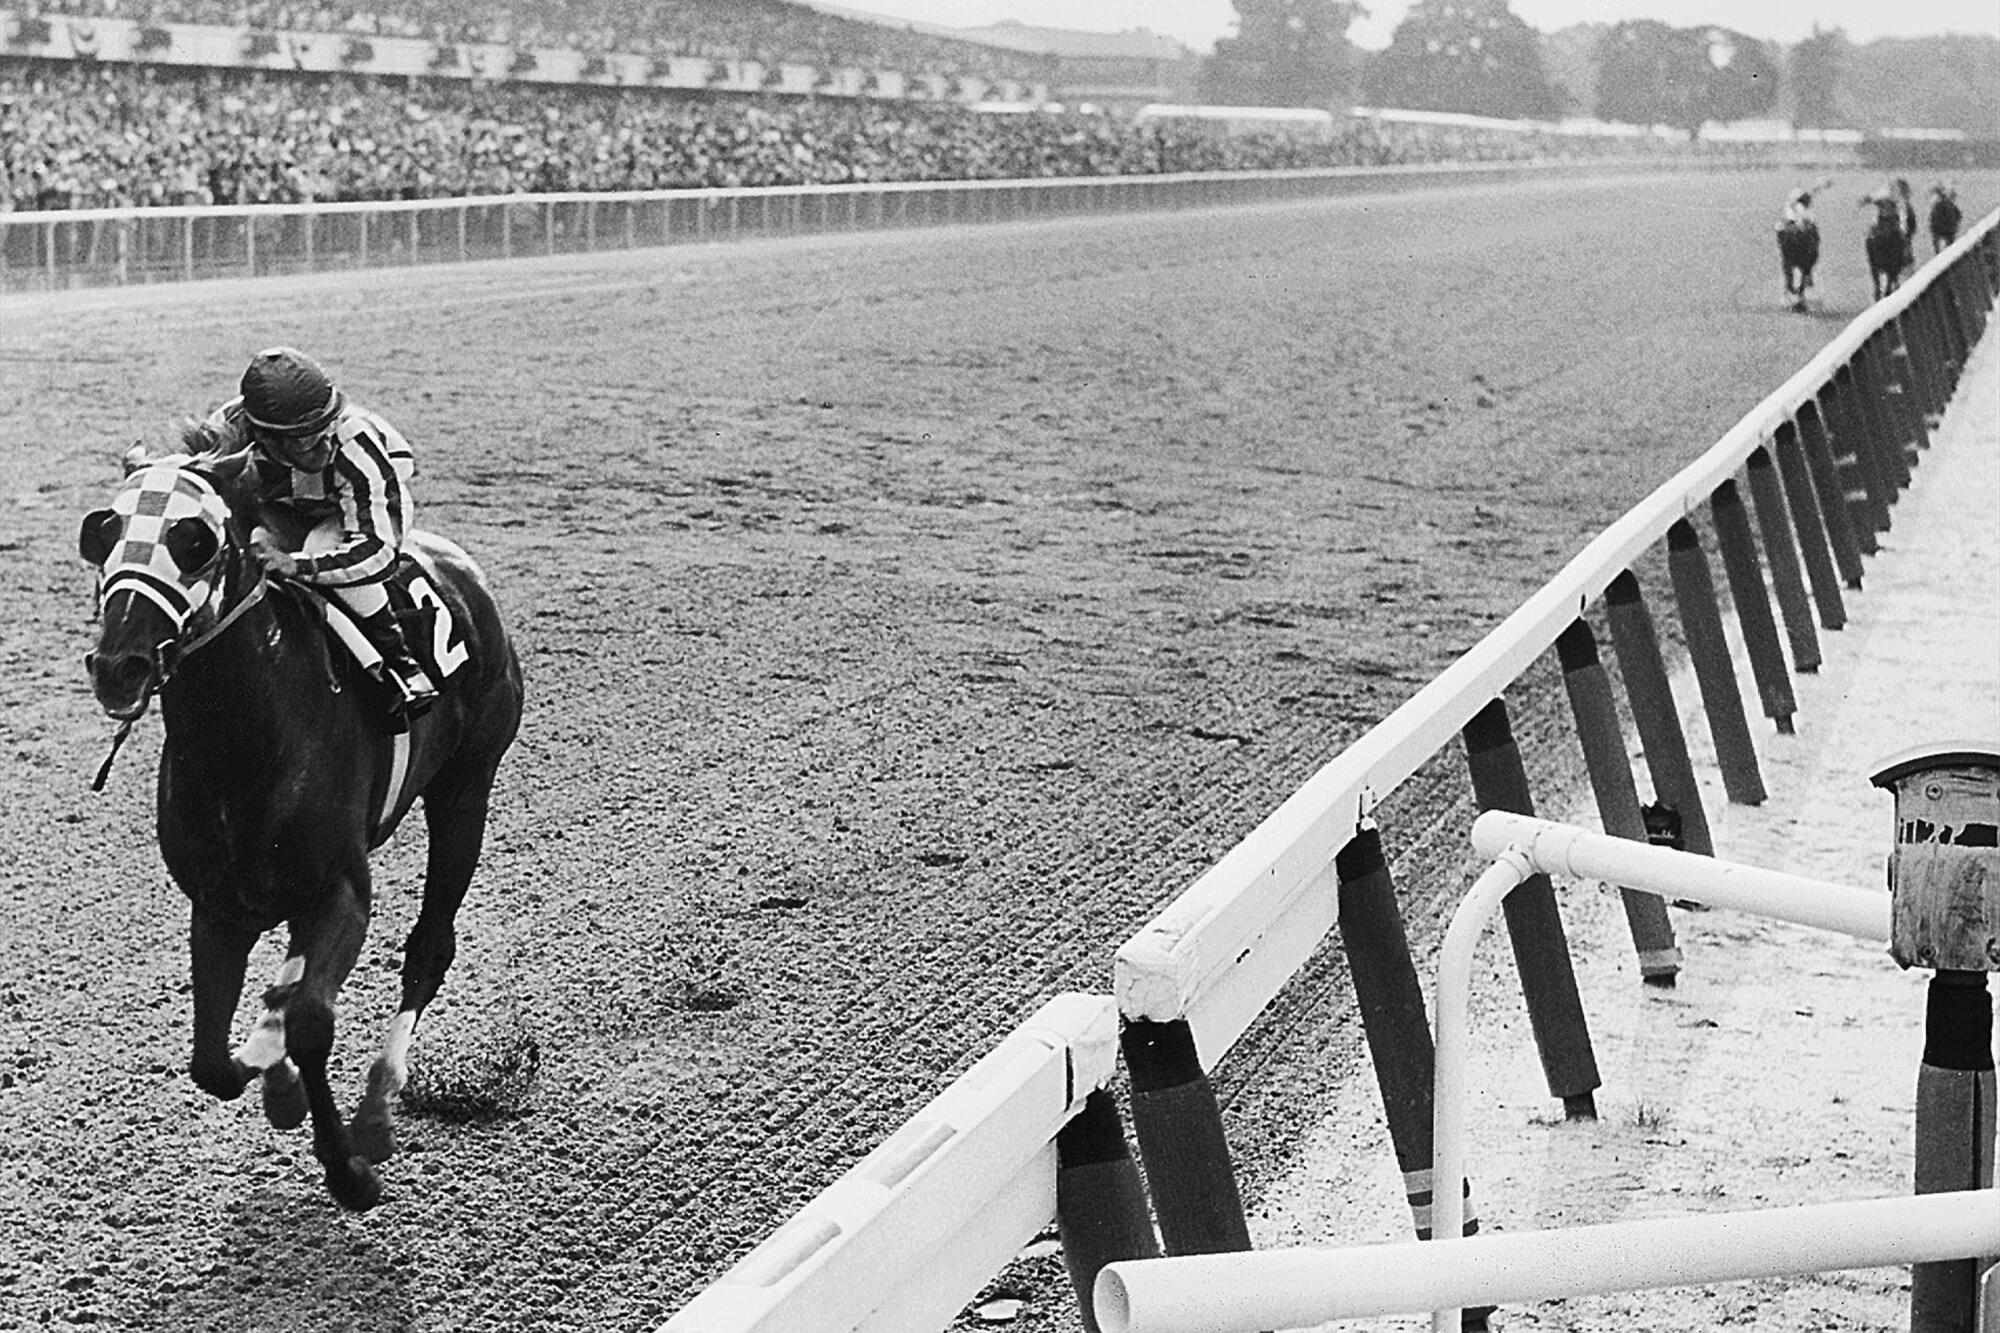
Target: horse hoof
(284, 1096)
(373, 1132)
(358, 1188)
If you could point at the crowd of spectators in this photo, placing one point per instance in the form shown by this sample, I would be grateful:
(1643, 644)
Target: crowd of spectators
(90, 135)
(767, 31)
(78, 135)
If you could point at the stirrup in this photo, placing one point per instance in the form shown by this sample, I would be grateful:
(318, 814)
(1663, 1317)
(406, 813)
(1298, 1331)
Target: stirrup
(412, 690)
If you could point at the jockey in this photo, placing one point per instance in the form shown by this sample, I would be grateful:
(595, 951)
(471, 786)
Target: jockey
(345, 472)
(1797, 213)
(1906, 217)
(1798, 242)
(1888, 208)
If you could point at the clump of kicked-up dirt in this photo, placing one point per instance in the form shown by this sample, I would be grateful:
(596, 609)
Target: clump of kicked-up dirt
(477, 1069)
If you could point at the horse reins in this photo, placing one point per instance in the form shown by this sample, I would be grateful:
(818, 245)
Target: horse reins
(104, 769)
(207, 636)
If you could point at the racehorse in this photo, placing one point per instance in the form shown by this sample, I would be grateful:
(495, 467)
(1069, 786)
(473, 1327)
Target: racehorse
(1798, 251)
(280, 773)
(1945, 217)
(1887, 245)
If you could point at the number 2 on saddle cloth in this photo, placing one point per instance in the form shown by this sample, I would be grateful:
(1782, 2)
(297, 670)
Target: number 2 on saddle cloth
(428, 624)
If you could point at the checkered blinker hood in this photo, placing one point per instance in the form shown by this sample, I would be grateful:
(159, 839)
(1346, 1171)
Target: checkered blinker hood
(167, 517)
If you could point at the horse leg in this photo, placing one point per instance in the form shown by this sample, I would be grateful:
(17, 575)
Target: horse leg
(217, 959)
(373, 1128)
(330, 940)
(264, 1051)
(456, 821)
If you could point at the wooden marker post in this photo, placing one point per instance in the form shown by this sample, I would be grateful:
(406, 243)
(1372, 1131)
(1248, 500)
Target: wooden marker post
(1944, 877)
(1181, 1141)
(1101, 1212)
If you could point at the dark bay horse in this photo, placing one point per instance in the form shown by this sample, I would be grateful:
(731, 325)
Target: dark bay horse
(281, 773)
(1887, 244)
(1945, 217)
(1798, 253)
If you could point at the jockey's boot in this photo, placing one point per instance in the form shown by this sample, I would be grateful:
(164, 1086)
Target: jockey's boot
(414, 690)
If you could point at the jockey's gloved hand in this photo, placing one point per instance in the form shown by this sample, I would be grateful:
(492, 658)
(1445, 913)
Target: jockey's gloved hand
(274, 558)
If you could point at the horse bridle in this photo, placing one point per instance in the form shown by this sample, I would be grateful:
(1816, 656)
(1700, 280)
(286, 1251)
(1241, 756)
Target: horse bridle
(168, 654)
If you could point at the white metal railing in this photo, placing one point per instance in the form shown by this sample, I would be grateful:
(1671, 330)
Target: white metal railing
(1520, 846)
(1223, 949)
(1565, 849)
(41, 250)
(1299, 1288)
(1285, 1288)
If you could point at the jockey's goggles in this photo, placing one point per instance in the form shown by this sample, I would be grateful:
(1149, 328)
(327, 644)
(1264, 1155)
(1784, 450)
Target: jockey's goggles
(305, 432)
(298, 450)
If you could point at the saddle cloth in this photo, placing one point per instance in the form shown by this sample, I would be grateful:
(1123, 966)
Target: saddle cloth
(428, 625)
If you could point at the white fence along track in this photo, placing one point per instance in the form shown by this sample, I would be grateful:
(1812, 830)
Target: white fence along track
(904, 1247)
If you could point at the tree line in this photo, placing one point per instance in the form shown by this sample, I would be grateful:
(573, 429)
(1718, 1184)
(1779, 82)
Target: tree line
(1478, 57)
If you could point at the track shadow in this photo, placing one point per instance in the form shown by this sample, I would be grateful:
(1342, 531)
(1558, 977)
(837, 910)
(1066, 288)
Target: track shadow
(287, 1264)
(1816, 312)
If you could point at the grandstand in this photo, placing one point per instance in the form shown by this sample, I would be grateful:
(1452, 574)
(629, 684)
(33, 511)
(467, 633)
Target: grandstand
(1119, 71)
(120, 134)
(148, 103)
(688, 47)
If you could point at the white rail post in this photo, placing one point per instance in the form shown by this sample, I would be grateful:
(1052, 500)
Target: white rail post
(1454, 984)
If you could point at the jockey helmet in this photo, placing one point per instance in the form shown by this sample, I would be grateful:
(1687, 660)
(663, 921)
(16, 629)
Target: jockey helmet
(287, 395)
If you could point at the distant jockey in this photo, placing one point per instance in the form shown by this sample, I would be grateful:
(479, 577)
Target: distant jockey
(345, 473)
(1906, 215)
(1798, 205)
(1798, 242)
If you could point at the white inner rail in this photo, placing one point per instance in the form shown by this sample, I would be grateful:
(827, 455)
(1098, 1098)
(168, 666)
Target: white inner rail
(1290, 1288)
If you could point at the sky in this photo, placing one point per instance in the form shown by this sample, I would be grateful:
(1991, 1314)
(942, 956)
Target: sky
(1200, 22)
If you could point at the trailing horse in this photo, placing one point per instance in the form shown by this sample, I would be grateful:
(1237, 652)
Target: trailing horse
(1945, 217)
(280, 773)
(1798, 252)
(1888, 246)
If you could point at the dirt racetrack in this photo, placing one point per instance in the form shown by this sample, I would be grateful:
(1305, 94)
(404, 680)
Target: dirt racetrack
(907, 618)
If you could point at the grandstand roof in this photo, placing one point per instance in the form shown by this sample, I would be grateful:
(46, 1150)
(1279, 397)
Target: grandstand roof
(1013, 35)
(1136, 44)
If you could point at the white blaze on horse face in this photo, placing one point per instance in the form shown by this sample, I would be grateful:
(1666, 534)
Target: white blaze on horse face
(265, 1045)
